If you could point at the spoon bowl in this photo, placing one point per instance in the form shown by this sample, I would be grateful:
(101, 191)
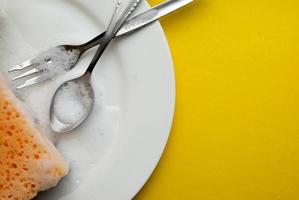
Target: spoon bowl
(71, 104)
(74, 99)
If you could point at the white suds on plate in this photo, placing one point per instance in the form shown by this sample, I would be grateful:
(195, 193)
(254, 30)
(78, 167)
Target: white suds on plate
(73, 100)
(56, 61)
(85, 146)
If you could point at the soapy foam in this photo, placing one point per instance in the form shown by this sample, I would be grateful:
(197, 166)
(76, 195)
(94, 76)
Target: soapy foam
(13, 50)
(56, 61)
(89, 141)
(74, 100)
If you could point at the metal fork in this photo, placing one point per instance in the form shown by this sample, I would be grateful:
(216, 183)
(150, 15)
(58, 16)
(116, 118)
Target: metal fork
(62, 58)
(84, 80)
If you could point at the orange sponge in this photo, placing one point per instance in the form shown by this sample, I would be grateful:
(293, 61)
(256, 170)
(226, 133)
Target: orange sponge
(29, 162)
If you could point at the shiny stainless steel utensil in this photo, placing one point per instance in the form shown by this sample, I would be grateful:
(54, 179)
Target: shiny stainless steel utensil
(62, 58)
(139, 21)
(84, 81)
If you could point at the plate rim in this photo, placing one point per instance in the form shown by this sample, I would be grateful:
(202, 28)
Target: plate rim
(171, 84)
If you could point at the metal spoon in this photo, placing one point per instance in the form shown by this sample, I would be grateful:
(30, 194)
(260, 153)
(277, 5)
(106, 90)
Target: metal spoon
(84, 81)
(133, 24)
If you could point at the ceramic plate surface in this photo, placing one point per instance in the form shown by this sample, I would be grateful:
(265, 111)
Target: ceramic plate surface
(116, 150)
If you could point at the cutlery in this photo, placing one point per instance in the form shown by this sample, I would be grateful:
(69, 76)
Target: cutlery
(83, 82)
(60, 59)
(84, 90)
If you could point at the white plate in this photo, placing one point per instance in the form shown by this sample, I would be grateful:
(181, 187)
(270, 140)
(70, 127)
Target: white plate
(116, 150)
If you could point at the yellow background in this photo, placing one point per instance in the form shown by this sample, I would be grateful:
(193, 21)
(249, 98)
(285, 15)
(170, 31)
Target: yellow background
(236, 130)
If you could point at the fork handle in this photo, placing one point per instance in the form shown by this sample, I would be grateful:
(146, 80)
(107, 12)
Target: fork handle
(94, 42)
(140, 20)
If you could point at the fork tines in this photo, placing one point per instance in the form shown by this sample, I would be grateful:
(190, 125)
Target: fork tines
(24, 65)
(27, 69)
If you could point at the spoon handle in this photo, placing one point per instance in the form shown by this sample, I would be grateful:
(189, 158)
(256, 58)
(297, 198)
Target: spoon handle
(151, 15)
(116, 23)
(138, 21)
